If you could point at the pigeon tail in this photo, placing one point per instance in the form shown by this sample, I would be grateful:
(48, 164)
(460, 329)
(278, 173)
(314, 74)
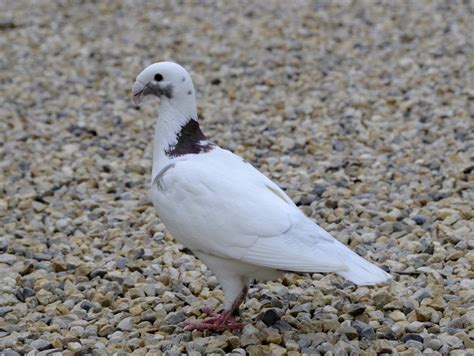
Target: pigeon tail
(362, 272)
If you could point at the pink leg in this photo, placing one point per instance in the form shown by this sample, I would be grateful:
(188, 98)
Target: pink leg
(219, 321)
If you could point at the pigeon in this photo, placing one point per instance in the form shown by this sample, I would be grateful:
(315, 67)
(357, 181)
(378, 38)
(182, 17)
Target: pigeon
(237, 221)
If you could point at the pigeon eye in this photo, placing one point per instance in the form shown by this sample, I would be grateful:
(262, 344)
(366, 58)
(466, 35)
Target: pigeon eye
(158, 77)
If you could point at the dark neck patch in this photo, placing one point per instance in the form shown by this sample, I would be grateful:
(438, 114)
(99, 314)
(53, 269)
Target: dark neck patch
(190, 140)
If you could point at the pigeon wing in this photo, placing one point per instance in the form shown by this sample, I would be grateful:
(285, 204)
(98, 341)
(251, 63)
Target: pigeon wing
(219, 204)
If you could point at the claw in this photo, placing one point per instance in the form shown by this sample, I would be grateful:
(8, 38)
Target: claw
(216, 322)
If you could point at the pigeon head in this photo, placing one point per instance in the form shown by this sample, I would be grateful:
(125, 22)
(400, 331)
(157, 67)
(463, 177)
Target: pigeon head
(166, 80)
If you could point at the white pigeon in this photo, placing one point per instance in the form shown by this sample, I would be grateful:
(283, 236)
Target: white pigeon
(232, 217)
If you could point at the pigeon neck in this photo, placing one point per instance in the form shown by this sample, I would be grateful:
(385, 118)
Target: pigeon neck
(177, 133)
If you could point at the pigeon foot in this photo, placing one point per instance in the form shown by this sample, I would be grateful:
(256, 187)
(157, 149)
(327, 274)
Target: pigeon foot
(217, 321)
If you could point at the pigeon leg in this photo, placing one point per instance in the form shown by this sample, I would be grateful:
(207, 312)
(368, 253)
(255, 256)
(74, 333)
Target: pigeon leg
(219, 321)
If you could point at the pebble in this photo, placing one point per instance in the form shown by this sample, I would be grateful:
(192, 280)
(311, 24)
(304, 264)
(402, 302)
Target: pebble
(125, 324)
(364, 329)
(349, 331)
(419, 219)
(433, 344)
(249, 336)
(270, 317)
(175, 318)
(5, 310)
(11, 353)
(106, 330)
(7, 258)
(415, 327)
(356, 309)
(40, 344)
(397, 315)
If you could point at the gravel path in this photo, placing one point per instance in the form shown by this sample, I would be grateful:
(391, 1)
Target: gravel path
(362, 112)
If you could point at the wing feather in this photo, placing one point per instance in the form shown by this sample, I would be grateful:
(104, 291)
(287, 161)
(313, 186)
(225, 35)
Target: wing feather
(222, 206)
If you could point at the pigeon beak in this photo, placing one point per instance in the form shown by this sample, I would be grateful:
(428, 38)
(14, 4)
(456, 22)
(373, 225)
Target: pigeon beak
(137, 92)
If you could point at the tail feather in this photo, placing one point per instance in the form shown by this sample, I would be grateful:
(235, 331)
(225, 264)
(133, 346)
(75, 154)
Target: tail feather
(362, 272)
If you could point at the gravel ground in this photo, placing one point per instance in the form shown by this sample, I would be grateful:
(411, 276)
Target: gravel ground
(361, 111)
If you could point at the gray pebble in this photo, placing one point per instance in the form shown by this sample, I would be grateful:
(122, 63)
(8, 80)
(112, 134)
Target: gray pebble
(10, 352)
(349, 331)
(40, 344)
(175, 318)
(270, 317)
(414, 344)
(356, 309)
(364, 329)
(4, 311)
(3, 245)
(415, 337)
(125, 324)
(40, 256)
(419, 219)
(7, 258)
(433, 344)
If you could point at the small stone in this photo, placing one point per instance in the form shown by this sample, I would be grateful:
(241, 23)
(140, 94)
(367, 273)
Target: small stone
(356, 309)
(291, 345)
(258, 350)
(7, 258)
(421, 294)
(331, 325)
(349, 331)
(415, 327)
(39, 256)
(148, 315)
(10, 352)
(175, 318)
(276, 350)
(106, 330)
(74, 346)
(4, 311)
(318, 190)
(366, 238)
(468, 319)
(419, 219)
(450, 340)
(249, 336)
(44, 297)
(3, 244)
(467, 341)
(273, 336)
(23, 293)
(125, 324)
(455, 256)
(136, 310)
(326, 348)
(59, 266)
(97, 273)
(282, 325)
(338, 145)
(270, 317)
(233, 342)
(415, 337)
(381, 298)
(423, 313)
(414, 344)
(40, 344)
(397, 315)
(121, 263)
(433, 344)
(364, 330)
(215, 345)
